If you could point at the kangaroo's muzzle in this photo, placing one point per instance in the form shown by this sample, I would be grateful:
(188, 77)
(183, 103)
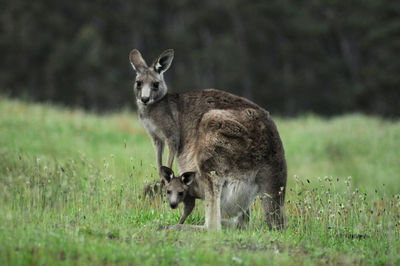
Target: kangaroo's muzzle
(145, 100)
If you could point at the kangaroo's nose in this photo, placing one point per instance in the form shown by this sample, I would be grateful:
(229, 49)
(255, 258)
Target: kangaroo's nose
(173, 205)
(145, 99)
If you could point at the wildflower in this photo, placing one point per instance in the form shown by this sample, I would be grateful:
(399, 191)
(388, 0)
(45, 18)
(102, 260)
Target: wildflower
(237, 260)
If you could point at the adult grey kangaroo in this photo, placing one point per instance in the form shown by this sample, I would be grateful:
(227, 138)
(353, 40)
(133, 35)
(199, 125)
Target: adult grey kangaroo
(225, 139)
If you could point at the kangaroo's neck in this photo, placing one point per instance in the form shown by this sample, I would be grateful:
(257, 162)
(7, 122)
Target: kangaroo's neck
(160, 118)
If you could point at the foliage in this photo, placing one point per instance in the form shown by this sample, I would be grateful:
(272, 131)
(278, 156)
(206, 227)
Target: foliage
(71, 192)
(289, 56)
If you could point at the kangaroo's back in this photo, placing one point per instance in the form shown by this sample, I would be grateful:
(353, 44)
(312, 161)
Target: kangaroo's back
(197, 106)
(225, 125)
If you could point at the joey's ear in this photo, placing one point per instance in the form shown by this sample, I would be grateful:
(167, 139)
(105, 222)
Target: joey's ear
(188, 178)
(163, 62)
(166, 173)
(137, 60)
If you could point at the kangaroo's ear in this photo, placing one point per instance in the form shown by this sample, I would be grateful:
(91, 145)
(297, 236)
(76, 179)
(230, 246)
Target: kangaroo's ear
(166, 173)
(137, 61)
(163, 62)
(188, 178)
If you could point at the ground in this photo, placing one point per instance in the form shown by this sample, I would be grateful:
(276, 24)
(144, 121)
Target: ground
(71, 193)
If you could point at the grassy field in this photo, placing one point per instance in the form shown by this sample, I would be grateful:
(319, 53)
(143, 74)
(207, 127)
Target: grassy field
(71, 184)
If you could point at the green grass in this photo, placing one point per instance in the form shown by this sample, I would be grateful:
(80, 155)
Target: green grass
(71, 183)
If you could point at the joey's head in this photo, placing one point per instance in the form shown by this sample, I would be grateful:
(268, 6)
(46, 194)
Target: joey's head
(149, 86)
(176, 187)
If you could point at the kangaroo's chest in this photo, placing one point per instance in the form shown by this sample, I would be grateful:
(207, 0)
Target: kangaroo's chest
(152, 128)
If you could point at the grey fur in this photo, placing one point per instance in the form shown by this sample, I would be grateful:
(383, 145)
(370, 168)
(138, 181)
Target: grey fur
(226, 139)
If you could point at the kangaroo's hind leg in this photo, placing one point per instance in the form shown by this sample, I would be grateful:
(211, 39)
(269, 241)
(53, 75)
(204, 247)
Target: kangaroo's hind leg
(212, 192)
(244, 219)
(272, 186)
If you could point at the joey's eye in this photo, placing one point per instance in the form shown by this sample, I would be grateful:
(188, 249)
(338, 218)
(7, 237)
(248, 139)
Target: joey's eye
(180, 193)
(156, 85)
(139, 84)
(168, 192)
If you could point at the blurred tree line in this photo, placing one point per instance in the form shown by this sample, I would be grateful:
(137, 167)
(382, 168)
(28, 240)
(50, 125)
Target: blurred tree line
(290, 56)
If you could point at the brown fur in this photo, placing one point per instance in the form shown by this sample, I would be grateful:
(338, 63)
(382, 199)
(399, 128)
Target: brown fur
(220, 136)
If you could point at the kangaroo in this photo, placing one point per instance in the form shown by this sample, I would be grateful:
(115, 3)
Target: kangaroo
(179, 189)
(186, 189)
(225, 139)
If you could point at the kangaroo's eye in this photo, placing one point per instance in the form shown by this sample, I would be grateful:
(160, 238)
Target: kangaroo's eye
(180, 193)
(156, 85)
(139, 84)
(168, 192)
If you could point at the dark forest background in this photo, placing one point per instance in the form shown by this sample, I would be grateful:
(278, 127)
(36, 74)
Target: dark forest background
(291, 57)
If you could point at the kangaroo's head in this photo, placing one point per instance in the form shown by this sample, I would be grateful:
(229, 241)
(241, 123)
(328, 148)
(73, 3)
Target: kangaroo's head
(149, 84)
(176, 187)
